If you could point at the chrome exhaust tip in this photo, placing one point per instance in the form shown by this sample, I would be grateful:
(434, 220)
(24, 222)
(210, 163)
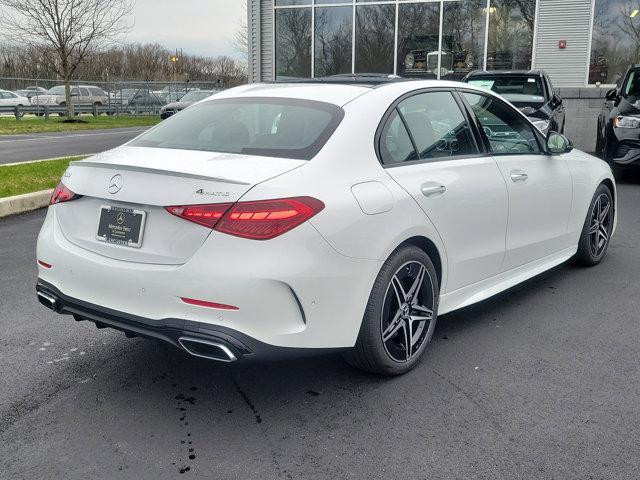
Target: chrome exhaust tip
(48, 301)
(207, 349)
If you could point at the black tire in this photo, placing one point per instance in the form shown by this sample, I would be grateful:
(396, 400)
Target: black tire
(596, 232)
(384, 313)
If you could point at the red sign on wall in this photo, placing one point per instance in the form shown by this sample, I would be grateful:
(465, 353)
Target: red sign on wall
(562, 44)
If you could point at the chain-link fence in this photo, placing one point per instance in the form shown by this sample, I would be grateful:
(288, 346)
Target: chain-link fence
(116, 97)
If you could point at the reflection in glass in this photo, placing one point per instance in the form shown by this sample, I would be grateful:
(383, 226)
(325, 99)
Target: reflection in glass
(333, 29)
(293, 42)
(463, 32)
(511, 24)
(616, 39)
(418, 40)
(375, 30)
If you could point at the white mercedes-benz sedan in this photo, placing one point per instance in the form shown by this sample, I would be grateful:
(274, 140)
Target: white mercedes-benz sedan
(277, 219)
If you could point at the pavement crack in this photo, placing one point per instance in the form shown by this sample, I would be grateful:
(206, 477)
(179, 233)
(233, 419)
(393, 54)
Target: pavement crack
(471, 398)
(245, 397)
(274, 455)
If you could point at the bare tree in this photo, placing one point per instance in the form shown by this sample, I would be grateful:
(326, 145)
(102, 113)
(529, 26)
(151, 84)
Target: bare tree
(66, 31)
(240, 39)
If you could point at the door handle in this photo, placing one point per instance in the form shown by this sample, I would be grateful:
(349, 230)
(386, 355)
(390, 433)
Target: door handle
(430, 189)
(518, 176)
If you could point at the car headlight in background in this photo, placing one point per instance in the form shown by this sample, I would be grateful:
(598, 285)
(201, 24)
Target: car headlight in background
(542, 125)
(626, 122)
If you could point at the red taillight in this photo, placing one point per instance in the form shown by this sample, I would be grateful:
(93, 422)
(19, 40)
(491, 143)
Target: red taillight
(45, 264)
(266, 219)
(204, 303)
(207, 215)
(62, 194)
(259, 220)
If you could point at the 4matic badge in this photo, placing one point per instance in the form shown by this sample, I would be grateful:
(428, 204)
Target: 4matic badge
(208, 193)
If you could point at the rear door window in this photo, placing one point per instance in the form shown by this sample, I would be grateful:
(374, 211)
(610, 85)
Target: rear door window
(437, 126)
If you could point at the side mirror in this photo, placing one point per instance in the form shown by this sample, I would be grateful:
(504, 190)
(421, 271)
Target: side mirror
(557, 144)
(556, 100)
(612, 95)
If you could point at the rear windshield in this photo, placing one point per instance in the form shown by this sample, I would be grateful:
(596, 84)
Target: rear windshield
(271, 127)
(516, 88)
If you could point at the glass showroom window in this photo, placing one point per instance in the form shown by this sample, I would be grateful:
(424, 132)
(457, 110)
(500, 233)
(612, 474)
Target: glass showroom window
(333, 36)
(293, 42)
(463, 38)
(511, 25)
(419, 40)
(375, 38)
(616, 39)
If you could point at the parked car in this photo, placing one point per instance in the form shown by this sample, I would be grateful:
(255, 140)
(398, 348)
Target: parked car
(531, 91)
(80, 95)
(13, 99)
(144, 98)
(27, 93)
(618, 135)
(188, 99)
(225, 231)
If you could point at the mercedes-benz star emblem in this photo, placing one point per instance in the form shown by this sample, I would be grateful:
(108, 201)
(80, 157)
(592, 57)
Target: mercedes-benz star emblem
(120, 218)
(115, 184)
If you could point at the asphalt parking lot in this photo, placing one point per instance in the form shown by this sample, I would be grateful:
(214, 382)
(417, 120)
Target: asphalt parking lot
(37, 146)
(540, 382)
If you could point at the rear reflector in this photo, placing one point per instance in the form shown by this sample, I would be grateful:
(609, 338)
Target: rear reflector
(204, 303)
(45, 264)
(259, 220)
(207, 215)
(62, 194)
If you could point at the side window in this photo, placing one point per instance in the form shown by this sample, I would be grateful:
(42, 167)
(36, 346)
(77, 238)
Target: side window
(507, 131)
(395, 143)
(437, 126)
(84, 92)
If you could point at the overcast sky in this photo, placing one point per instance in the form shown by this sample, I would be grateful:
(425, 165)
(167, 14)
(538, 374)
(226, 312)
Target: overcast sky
(202, 27)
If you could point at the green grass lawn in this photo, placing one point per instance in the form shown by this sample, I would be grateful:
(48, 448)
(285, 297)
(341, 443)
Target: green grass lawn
(32, 124)
(32, 177)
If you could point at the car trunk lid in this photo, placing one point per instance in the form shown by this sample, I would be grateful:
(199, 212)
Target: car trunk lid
(149, 179)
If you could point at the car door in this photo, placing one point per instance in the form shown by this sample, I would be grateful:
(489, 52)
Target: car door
(540, 185)
(4, 101)
(428, 147)
(85, 97)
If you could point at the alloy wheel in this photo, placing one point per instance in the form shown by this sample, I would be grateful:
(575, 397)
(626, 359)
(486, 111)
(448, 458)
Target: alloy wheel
(407, 318)
(600, 226)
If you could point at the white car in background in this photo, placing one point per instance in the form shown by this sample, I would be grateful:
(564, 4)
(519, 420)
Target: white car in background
(273, 220)
(12, 99)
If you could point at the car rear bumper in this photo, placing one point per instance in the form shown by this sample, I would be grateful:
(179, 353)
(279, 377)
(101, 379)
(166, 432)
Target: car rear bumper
(293, 291)
(222, 343)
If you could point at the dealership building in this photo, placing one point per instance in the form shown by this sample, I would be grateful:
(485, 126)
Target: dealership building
(584, 45)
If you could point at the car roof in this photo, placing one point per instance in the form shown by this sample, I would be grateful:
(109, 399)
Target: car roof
(335, 93)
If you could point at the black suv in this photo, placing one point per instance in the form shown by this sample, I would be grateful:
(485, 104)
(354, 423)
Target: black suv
(530, 91)
(618, 136)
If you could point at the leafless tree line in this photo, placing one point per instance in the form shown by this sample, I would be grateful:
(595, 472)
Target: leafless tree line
(148, 62)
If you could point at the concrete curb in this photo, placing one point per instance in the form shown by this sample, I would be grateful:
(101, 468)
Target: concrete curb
(24, 203)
